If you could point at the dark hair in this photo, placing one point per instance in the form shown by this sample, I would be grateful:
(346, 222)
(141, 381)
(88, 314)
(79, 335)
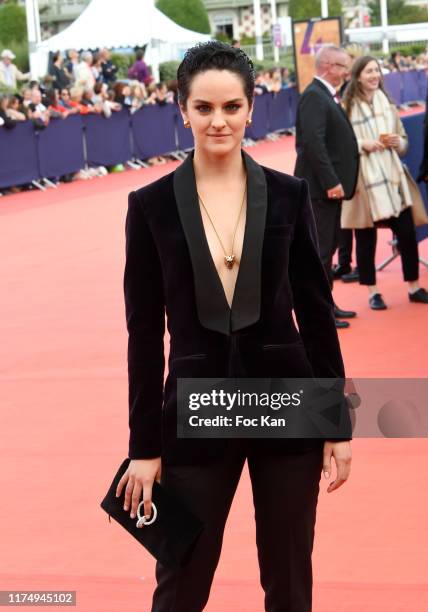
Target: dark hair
(171, 85)
(50, 97)
(139, 55)
(118, 88)
(354, 89)
(56, 56)
(214, 55)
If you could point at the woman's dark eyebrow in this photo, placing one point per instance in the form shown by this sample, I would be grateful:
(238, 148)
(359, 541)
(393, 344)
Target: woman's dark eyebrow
(228, 102)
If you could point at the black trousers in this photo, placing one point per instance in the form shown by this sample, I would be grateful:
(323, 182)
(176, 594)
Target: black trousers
(327, 219)
(345, 247)
(404, 229)
(285, 494)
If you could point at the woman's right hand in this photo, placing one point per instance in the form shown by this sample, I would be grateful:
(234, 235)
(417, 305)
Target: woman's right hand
(370, 146)
(139, 476)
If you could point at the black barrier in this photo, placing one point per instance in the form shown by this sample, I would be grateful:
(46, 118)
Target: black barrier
(282, 107)
(184, 135)
(413, 125)
(290, 100)
(393, 85)
(108, 141)
(403, 87)
(19, 163)
(422, 84)
(57, 160)
(259, 127)
(410, 90)
(153, 131)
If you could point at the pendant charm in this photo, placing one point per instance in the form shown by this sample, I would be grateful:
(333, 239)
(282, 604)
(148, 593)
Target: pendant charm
(229, 261)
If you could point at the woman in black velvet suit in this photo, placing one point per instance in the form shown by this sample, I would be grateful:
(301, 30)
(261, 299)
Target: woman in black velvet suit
(226, 317)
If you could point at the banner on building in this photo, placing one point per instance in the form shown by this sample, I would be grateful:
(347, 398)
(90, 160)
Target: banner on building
(308, 37)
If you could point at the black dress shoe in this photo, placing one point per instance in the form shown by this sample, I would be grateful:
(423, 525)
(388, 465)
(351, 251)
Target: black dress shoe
(344, 314)
(339, 270)
(420, 296)
(341, 324)
(376, 302)
(352, 277)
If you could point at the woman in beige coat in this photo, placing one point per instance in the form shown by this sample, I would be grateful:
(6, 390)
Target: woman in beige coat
(384, 196)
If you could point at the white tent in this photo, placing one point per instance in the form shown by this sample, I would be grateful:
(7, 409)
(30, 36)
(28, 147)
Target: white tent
(125, 23)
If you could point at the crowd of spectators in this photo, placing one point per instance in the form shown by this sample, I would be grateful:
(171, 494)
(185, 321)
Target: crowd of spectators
(84, 84)
(87, 83)
(399, 62)
(273, 80)
(81, 84)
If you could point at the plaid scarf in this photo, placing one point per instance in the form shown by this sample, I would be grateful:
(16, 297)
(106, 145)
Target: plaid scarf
(381, 171)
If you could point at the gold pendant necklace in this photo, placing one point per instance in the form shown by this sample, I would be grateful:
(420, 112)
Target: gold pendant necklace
(229, 260)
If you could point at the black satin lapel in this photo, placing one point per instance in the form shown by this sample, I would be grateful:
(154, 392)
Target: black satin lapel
(247, 295)
(213, 309)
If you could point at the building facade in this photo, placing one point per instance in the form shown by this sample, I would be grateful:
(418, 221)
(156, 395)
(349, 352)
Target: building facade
(235, 18)
(56, 15)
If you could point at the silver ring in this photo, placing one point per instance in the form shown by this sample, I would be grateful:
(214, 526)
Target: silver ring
(142, 520)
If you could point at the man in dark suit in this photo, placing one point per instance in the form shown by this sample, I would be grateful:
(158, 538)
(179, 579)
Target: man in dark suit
(327, 153)
(423, 170)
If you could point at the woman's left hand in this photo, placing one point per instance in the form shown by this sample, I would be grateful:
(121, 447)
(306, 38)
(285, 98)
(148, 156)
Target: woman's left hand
(393, 141)
(341, 451)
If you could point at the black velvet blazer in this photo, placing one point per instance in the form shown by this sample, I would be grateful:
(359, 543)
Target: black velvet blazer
(169, 269)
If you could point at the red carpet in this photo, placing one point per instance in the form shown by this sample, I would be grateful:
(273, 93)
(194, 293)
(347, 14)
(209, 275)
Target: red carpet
(64, 422)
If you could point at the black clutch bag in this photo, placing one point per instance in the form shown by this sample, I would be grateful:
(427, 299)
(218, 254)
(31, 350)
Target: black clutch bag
(171, 532)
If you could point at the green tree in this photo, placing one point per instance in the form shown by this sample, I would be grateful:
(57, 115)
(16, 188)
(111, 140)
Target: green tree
(13, 23)
(189, 14)
(307, 9)
(398, 12)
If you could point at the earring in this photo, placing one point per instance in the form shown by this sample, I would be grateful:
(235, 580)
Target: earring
(248, 122)
(186, 124)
